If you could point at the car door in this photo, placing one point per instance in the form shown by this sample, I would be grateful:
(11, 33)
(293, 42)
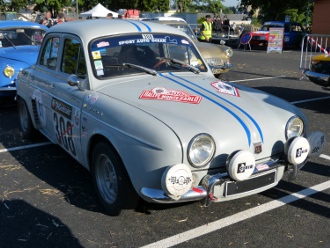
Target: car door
(63, 102)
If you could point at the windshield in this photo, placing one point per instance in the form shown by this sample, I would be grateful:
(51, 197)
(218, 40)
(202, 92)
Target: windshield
(21, 36)
(185, 28)
(110, 55)
(266, 27)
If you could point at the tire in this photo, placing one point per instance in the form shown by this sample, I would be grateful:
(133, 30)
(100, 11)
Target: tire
(27, 128)
(113, 186)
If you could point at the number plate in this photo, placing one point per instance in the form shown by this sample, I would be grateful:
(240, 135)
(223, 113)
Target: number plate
(233, 188)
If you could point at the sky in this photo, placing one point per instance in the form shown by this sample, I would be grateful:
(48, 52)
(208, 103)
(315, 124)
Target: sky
(229, 3)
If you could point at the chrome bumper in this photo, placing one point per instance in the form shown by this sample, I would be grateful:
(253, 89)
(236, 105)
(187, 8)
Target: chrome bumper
(317, 76)
(218, 69)
(6, 89)
(214, 188)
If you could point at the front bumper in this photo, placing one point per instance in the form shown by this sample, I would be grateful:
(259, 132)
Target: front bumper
(318, 78)
(7, 91)
(219, 69)
(220, 187)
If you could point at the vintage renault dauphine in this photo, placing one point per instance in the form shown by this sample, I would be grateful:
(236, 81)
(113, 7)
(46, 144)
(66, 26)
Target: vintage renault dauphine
(136, 104)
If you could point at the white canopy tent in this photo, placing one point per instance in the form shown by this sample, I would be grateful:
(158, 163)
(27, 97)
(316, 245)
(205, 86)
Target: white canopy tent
(98, 11)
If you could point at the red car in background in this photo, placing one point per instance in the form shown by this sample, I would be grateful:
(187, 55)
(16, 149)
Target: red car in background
(293, 34)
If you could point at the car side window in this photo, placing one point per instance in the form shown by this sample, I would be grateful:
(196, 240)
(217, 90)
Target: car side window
(49, 53)
(287, 27)
(73, 61)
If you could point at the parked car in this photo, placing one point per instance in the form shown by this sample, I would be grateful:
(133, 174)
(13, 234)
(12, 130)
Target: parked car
(216, 55)
(19, 47)
(319, 71)
(139, 107)
(293, 33)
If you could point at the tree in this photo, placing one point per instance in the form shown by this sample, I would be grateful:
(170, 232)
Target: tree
(54, 6)
(17, 5)
(272, 10)
(154, 5)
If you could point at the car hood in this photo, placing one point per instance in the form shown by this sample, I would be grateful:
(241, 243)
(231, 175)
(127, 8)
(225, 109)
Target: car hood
(237, 117)
(321, 57)
(210, 50)
(26, 54)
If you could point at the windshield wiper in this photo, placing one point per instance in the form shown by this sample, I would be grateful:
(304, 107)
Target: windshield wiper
(134, 66)
(38, 43)
(180, 62)
(9, 41)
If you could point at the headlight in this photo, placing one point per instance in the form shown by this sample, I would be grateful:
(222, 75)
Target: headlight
(229, 52)
(294, 127)
(201, 150)
(9, 71)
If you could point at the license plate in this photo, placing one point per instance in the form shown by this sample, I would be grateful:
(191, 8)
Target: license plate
(233, 188)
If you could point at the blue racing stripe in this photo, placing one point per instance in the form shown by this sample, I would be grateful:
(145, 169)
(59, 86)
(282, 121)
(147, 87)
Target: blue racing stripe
(247, 131)
(237, 107)
(147, 26)
(137, 26)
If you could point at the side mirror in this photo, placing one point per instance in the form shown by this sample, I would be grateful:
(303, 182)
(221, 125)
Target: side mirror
(73, 80)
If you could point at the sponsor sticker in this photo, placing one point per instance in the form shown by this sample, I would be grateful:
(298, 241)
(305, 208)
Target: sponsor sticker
(96, 54)
(170, 95)
(225, 88)
(103, 44)
(98, 64)
(300, 151)
(257, 148)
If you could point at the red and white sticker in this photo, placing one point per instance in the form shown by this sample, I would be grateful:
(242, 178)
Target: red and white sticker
(103, 44)
(225, 88)
(170, 95)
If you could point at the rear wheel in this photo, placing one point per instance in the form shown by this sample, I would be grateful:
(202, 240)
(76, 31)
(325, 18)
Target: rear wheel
(111, 180)
(27, 128)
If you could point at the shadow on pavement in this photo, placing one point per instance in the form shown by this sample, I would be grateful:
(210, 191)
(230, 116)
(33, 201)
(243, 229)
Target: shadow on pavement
(23, 225)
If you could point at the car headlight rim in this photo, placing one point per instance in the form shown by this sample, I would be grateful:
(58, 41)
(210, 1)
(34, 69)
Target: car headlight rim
(229, 52)
(9, 71)
(294, 127)
(201, 150)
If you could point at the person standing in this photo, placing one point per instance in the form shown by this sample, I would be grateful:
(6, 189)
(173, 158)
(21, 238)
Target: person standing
(206, 29)
(49, 21)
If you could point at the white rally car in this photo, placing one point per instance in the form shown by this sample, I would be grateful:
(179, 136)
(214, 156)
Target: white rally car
(136, 104)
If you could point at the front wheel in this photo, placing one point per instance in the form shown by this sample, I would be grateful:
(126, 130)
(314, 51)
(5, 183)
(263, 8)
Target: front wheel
(111, 180)
(27, 128)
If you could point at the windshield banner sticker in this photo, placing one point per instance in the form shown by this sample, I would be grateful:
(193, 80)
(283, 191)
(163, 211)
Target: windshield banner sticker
(148, 38)
(170, 95)
(225, 88)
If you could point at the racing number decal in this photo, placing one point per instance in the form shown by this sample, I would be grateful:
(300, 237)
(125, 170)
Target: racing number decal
(63, 125)
(64, 133)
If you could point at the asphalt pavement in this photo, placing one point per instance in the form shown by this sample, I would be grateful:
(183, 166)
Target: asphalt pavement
(47, 198)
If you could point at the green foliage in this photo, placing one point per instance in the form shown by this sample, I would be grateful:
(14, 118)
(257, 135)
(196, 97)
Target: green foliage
(17, 5)
(153, 5)
(54, 6)
(210, 6)
(274, 10)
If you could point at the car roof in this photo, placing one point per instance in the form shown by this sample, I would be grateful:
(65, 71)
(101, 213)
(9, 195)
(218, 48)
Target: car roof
(165, 18)
(20, 24)
(90, 29)
(169, 22)
(280, 22)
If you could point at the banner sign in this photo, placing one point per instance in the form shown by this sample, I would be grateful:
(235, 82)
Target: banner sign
(275, 40)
